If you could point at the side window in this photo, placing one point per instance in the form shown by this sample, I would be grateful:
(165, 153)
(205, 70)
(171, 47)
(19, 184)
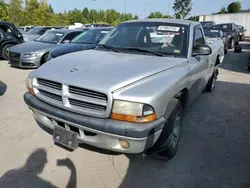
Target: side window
(70, 36)
(198, 37)
(44, 30)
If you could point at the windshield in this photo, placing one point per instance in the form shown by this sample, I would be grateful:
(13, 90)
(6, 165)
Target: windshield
(159, 37)
(223, 27)
(206, 24)
(91, 36)
(212, 33)
(35, 31)
(50, 37)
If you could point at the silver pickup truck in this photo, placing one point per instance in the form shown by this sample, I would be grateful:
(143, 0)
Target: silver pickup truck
(128, 94)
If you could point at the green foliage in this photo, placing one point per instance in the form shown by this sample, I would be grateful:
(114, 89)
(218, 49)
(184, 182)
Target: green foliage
(158, 15)
(182, 8)
(223, 10)
(39, 12)
(194, 18)
(234, 7)
(3, 12)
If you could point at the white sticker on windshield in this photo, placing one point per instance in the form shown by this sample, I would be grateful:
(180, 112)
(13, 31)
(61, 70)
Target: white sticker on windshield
(59, 34)
(104, 31)
(216, 31)
(168, 28)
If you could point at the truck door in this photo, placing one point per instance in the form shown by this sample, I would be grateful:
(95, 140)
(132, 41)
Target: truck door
(200, 64)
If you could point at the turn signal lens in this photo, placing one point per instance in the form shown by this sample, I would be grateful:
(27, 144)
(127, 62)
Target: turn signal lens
(31, 91)
(135, 119)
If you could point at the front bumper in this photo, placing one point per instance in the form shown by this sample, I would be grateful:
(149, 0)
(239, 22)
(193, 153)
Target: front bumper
(101, 133)
(33, 62)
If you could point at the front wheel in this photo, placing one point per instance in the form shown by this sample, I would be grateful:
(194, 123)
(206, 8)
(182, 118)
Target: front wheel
(5, 51)
(211, 83)
(167, 145)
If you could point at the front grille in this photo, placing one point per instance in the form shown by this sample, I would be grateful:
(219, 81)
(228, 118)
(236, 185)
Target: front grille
(87, 93)
(87, 105)
(50, 95)
(80, 100)
(14, 57)
(50, 84)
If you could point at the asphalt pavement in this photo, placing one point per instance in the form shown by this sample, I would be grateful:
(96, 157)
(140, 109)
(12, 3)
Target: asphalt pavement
(214, 149)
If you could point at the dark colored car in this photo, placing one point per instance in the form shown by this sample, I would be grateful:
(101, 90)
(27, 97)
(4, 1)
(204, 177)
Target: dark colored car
(32, 54)
(213, 33)
(36, 32)
(85, 41)
(242, 31)
(9, 36)
(230, 31)
(207, 24)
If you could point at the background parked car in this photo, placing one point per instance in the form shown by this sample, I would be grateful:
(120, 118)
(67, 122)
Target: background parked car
(249, 63)
(26, 28)
(9, 36)
(230, 31)
(34, 53)
(242, 32)
(207, 24)
(85, 41)
(213, 33)
(36, 32)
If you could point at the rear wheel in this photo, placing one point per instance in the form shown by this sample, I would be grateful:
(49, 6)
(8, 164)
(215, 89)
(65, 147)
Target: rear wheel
(167, 145)
(5, 51)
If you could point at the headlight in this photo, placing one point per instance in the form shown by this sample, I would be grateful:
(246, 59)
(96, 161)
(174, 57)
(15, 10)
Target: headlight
(132, 112)
(229, 36)
(29, 85)
(29, 55)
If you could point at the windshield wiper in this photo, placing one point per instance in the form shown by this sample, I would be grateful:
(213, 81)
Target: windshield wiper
(108, 47)
(147, 51)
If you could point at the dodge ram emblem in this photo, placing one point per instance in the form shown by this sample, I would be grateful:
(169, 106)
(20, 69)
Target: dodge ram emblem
(76, 68)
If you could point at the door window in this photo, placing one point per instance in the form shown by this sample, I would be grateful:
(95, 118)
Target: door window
(198, 37)
(71, 36)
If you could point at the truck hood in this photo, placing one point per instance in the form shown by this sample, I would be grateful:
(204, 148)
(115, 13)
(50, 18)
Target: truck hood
(31, 46)
(69, 48)
(106, 70)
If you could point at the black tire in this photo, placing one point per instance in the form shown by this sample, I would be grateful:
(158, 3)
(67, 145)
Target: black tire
(167, 145)
(211, 83)
(225, 51)
(44, 59)
(231, 44)
(5, 49)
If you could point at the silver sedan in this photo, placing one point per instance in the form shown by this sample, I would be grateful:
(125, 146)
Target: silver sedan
(35, 53)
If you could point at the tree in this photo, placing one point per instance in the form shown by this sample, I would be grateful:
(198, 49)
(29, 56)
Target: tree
(151, 15)
(234, 7)
(85, 13)
(136, 17)
(15, 11)
(158, 15)
(51, 10)
(3, 12)
(194, 18)
(223, 10)
(182, 8)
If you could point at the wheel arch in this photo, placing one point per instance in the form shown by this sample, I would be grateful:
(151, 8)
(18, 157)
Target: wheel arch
(5, 43)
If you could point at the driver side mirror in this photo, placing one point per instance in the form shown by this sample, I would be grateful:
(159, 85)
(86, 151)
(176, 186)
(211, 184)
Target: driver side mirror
(201, 50)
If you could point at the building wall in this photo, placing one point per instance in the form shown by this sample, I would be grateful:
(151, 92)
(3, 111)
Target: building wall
(237, 18)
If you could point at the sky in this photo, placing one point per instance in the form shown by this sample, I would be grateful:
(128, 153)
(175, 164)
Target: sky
(142, 8)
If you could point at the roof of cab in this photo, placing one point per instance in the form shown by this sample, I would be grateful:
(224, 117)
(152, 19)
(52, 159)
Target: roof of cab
(177, 21)
(65, 30)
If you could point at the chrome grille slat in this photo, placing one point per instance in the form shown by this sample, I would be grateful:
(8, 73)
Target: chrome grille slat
(51, 84)
(50, 95)
(86, 92)
(87, 105)
(88, 101)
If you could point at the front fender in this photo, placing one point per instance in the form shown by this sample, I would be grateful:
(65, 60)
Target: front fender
(157, 90)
